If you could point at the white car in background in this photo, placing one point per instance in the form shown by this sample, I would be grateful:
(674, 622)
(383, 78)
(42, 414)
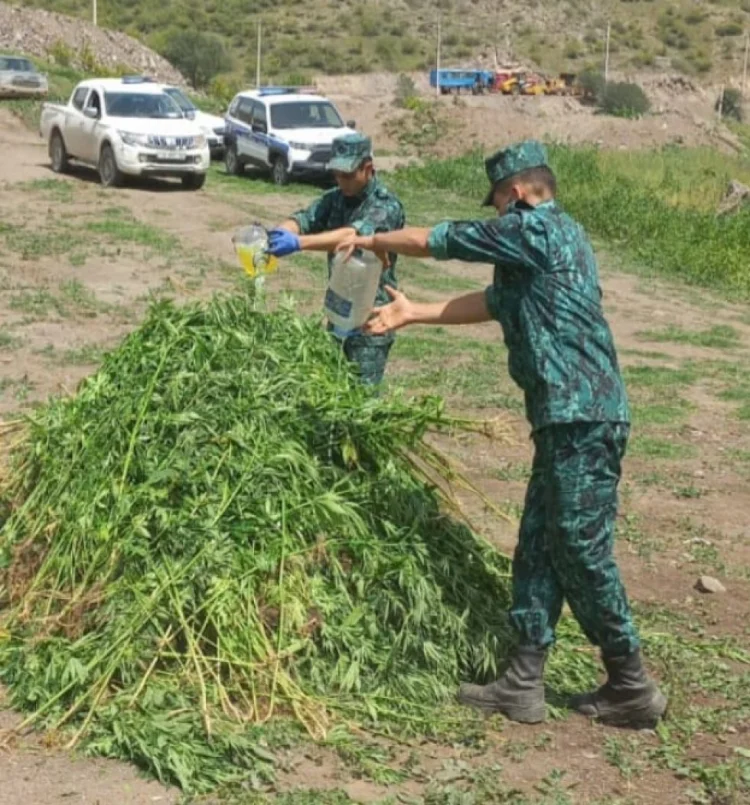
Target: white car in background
(282, 130)
(19, 78)
(125, 127)
(211, 125)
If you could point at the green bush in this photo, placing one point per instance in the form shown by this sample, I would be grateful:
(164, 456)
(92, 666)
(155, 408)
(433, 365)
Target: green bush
(624, 99)
(406, 91)
(729, 104)
(592, 83)
(729, 29)
(197, 55)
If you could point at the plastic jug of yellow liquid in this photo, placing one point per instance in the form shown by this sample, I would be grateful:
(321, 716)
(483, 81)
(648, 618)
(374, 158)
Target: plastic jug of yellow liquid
(351, 291)
(250, 243)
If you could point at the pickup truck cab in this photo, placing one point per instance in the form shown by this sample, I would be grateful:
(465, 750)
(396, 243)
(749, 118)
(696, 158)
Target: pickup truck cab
(282, 130)
(20, 79)
(125, 127)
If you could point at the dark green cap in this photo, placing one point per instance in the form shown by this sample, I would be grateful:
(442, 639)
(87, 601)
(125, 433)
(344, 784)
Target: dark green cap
(349, 152)
(514, 159)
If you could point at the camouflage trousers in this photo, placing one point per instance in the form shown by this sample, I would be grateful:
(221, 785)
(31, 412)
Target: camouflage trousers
(369, 354)
(565, 545)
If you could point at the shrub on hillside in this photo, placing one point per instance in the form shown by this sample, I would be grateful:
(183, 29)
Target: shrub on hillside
(729, 104)
(406, 91)
(729, 29)
(624, 99)
(200, 57)
(592, 83)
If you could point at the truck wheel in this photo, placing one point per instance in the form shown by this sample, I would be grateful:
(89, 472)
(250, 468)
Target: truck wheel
(279, 172)
(193, 181)
(57, 153)
(232, 163)
(109, 173)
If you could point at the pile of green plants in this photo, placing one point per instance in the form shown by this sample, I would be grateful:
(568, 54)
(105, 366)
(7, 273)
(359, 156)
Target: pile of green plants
(223, 527)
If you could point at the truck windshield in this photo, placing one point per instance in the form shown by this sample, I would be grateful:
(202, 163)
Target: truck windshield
(141, 104)
(16, 65)
(305, 115)
(181, 99)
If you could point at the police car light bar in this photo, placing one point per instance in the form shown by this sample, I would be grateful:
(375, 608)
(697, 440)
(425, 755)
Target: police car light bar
(137, 79)
(284, 90)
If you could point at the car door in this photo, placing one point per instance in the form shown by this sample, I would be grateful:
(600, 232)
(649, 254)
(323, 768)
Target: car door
(90, 127)
(243, 116)
(73, 130)
(260, 133)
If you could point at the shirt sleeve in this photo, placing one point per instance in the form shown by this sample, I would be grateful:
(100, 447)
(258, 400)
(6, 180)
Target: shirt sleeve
(315, 218)
(498, 240)
(384, 216)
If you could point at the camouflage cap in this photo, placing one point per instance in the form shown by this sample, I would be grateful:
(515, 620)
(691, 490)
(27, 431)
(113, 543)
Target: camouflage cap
(514, 159)
(349, 152)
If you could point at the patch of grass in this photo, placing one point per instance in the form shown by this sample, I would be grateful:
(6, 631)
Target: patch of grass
(9, 340)
(513, 472)
(661, 377)
(254, 183)
(125, 228)
(32, 244)
(720, 336)
(73, 298)
(666, 413)
(59, 190)
(432, 277)
(660, 448)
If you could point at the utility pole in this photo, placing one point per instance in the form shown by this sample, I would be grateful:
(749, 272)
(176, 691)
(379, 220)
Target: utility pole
(94, 12)
(606, 54)
(744, 67)
(437, 71)
(257, 63)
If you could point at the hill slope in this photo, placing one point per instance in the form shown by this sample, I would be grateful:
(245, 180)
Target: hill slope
(344, 36)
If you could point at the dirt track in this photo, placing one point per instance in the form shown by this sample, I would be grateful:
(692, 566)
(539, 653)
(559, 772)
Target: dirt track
(63, 302)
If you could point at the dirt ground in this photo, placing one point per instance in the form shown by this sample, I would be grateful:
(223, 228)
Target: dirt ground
(64, 297)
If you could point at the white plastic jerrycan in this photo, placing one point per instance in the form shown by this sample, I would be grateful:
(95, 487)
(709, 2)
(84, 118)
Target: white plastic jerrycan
(351, 291)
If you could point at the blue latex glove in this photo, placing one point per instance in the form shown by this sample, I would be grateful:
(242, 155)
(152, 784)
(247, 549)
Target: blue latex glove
(282, 243)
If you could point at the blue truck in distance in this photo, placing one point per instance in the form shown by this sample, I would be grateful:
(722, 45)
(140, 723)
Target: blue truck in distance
(454, 80)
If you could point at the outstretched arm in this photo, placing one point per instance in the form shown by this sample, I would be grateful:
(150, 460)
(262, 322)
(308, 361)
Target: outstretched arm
(411, 241)
(468, 309)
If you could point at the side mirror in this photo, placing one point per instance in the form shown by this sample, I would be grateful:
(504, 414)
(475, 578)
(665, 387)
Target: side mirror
(262, 128)
(91, 112)
(190, 114)
(352, 124)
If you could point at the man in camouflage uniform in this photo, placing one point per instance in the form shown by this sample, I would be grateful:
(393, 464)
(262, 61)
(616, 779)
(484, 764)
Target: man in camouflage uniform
(359, 205)
(546, 296)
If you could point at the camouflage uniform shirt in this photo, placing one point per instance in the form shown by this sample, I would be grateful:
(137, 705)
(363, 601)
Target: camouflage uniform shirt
(376, 209)
(547, 298)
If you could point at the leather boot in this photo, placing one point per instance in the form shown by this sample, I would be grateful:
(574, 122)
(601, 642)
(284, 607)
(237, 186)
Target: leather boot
(629, 698)
(518, 694)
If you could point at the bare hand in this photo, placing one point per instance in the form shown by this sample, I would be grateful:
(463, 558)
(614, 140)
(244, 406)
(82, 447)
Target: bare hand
(366, 242)
(390, 317)
(349, 245)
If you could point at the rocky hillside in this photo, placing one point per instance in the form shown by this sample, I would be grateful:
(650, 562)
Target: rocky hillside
(350, 36)
(72, 42)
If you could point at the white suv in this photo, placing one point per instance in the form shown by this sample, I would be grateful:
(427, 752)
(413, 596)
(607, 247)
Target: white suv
(283, 130)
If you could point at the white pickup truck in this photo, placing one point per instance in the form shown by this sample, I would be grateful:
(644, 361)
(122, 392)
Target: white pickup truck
(125, 127)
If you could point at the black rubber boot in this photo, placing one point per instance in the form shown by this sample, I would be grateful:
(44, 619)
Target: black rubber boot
(518, 694)
(627, 699)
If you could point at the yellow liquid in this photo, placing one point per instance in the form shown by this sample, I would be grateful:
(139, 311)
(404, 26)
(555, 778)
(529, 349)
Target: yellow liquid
(254, 261)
